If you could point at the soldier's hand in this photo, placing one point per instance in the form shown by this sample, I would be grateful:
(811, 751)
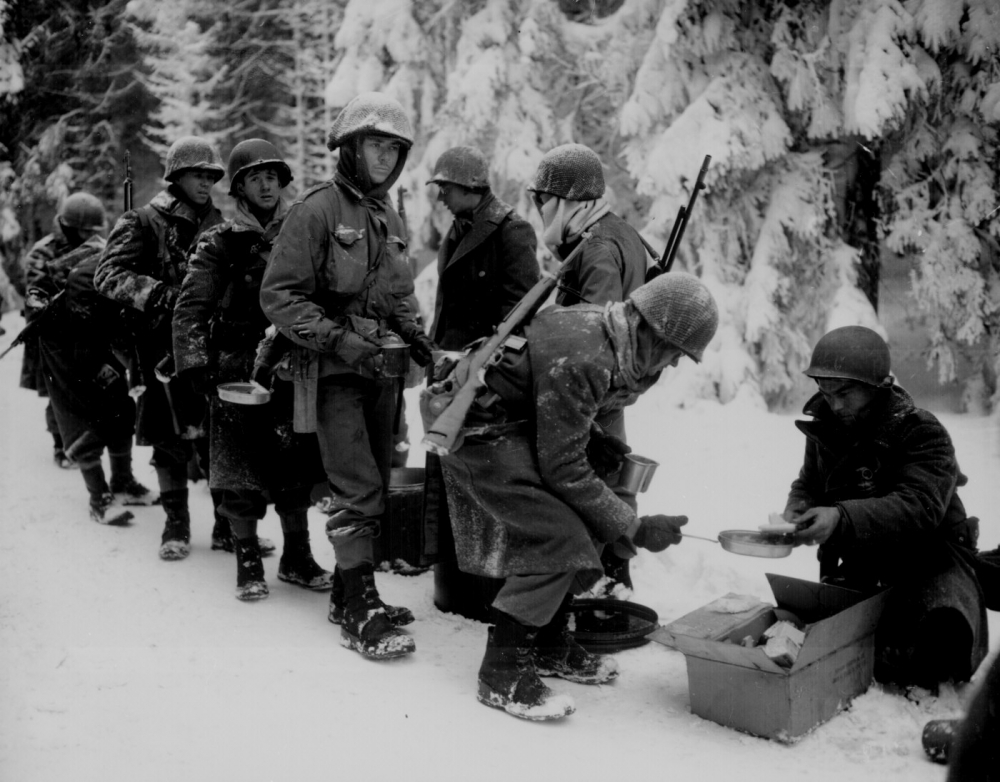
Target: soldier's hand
(355, 349)
(422, 349)
(605, 452)
(816, 525)
(657, 532)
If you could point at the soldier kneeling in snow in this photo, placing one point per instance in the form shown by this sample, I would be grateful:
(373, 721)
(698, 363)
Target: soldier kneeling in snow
(527, 504)
(878, 492)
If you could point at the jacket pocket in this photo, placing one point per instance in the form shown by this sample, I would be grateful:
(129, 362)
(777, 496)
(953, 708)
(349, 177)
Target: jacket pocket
(347, 262)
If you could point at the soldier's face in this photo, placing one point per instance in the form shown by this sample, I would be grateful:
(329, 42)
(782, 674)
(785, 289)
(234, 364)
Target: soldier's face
(196, 185)
(261, 188)
(381, 155)
(457, 199)
(849, 400)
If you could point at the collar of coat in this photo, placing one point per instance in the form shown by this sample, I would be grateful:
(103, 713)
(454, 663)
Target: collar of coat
(245, 220)
(486, 218)
(169, 205)
(882, 427)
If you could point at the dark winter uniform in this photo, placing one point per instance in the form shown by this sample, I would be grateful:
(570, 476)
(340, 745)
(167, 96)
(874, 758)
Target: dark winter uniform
(143, 266)
(485, 266)
(218, 324)
(902, 525)
(610, 266)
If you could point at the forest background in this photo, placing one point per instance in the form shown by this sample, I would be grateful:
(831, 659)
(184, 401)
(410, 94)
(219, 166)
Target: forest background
(845, 135)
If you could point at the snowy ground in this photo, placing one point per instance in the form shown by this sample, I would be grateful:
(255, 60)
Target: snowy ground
(118, 666)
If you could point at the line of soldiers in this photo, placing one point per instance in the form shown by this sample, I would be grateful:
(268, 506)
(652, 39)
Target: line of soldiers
(309, 301)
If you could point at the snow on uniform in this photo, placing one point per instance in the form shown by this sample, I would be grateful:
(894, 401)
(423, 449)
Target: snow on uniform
(218, 323)
(902, 522)
(485, 266)
(143, 266)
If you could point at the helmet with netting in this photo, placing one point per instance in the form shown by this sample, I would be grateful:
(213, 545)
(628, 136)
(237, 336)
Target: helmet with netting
(370, 112)
(465, 166)
(680, 310)
(851, 353)
(192, 153)
(256, 153)
(570, 171)
(82, 210)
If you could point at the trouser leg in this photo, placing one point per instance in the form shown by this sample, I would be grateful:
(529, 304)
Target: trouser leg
(533, 600)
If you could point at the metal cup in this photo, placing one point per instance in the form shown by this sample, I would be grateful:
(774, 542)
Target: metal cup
(395, 359)
(636, 473)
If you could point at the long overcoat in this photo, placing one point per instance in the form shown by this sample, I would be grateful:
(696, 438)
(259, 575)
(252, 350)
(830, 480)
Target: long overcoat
(148, 249)
(218, 324)
(903, 524)
(610, 266)
(522, 495)
(483, 271)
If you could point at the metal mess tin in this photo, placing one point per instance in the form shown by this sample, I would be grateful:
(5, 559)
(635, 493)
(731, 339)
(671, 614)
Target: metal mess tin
(756, 544)
(636, 473)
(243, 393)
(396, 359)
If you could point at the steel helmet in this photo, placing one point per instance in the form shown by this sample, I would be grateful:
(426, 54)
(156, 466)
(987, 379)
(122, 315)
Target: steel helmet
(370, 112)
(82, 210)
(680, 310)
(256, 153)
(465, 166)
(851, 353)
(570, 171)
(192, 152)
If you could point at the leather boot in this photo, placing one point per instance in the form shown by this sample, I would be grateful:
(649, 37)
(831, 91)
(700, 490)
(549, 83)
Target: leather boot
(297, 565)
(398, 615)
(250, 584)
(175, 542)
(366, 627)
(104, 508)
(557, 653)
(507, 676)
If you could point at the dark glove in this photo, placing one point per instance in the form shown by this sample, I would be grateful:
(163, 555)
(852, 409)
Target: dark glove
(605, 452)
(657, 532)
(162, 299)
(421, 349)
(353, 348)
(198, 380)
(262, 375)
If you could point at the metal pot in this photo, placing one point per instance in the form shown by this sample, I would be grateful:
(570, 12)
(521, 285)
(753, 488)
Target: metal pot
(636, 473)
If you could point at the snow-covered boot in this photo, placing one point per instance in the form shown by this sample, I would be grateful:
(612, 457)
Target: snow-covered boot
(250, 584)
(223, 540)
(366, 627)
(507, 676)
(557, 653)
(127, 490)
(297, 565)
(398, 615)
(104, 509)
(175, 542)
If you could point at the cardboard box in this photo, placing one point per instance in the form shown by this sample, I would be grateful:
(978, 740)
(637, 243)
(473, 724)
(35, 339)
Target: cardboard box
(743, 689)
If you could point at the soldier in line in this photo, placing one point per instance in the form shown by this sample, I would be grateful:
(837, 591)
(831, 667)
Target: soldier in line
(255, 456)
(83, 374)
(568, 190)
(142, 267)
(47, 265)
(337, 285)
(486, 263)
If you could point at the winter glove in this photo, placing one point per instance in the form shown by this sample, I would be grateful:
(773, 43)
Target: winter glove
(657, 532)
(353, 348)
(605, 452)
(198, 380)
(421, 347)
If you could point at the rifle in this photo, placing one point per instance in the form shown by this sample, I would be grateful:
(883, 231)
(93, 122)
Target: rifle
(665, 263)
(447, 402)
(31, 330)
(136, 387)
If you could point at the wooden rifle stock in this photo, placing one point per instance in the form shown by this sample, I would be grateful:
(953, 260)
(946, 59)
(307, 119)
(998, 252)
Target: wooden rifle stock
(441, 436)
(677, 232)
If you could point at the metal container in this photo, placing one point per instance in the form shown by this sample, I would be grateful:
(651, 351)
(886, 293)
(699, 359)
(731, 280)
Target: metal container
(754, 544)
(636, 473)
(395, 359)
(243, 393)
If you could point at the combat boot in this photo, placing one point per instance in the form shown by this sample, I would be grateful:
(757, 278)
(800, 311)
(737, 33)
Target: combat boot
(297, 565)
(557, 653)
(223, 539)
(175, 543)
(104, 508)
(250, 583)
(398, 615)
(508, 679)
(127, 490)
(366, 627)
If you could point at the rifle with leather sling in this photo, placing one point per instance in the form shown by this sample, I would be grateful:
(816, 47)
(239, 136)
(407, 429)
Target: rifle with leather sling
(447, 401)
(664, 264)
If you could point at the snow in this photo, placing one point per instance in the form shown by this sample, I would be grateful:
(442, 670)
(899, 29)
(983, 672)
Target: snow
(119, 666)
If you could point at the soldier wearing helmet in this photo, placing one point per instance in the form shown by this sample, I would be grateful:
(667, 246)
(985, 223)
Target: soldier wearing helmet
(878, 493)
(142, 267)
(337, 286)
(581, 363)
(254, 456)
(89, 402)
(569, 193)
